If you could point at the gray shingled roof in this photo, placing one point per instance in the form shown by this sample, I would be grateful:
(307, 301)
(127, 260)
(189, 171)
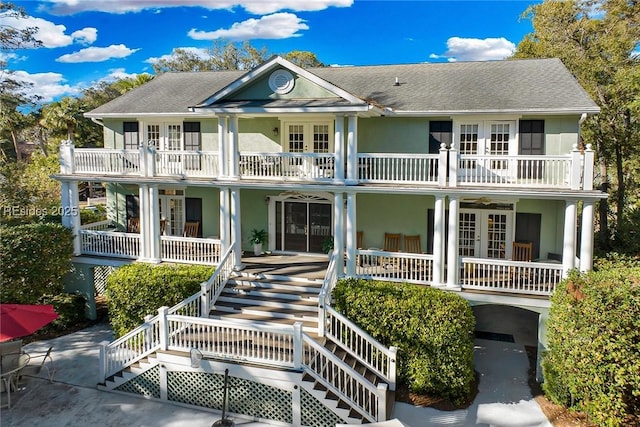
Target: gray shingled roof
(535, 85)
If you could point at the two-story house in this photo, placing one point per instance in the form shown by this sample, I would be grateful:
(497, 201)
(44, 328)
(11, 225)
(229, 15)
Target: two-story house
(471, 177)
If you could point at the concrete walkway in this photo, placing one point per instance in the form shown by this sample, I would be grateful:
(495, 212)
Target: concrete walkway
(73, 399)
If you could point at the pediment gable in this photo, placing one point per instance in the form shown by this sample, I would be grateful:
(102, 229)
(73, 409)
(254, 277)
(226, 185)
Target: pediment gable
(279, 82)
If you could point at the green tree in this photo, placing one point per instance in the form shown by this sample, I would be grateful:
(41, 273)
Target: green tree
(596, 41)
(63, 116)
(12, 91)
(303, 58)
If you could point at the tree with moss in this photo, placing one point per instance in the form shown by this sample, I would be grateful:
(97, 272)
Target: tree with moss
(596, 40)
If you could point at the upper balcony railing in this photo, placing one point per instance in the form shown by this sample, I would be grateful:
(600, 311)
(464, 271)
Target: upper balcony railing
(448, 168)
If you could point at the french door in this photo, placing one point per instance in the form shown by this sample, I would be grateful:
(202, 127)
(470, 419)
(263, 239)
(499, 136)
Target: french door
(477, 139)
(172, 211)
(485, 234)
(315, 137)
(302, 226)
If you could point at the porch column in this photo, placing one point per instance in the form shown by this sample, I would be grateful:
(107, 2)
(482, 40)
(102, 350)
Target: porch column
(225, 220)
(144, 236)
(155, 244)
(338, 148)
(586, 237)
(65, 202)
(352, 151)
(222, 147)
(438, 241)
(234, 155)
(338, 233)
(452, 249)
(236, 230)
(74, 214)
(569, 246)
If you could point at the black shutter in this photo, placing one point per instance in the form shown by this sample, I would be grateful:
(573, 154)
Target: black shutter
(130, 132)
(439, 132)
(192, 136)
(193, 211)
(531, 137)
(528, 226)
(133, 206)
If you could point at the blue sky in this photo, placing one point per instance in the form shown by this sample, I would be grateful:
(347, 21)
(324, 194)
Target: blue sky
(86, 41)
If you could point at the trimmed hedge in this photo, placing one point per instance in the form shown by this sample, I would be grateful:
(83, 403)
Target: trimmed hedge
(136, 290)
(593, 358)
(432, 329)
(34, 257)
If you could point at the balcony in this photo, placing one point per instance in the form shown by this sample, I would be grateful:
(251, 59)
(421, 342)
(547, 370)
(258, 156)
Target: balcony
(106, 240)
(573, 171)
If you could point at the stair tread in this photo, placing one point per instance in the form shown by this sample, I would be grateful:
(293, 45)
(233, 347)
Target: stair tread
(246, 300)
(236, 289)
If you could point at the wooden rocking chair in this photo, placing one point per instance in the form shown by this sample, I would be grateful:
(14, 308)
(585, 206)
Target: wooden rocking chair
(191, 229)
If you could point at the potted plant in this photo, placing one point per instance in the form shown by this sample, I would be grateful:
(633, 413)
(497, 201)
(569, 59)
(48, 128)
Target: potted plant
(258, 237)
(327, 245)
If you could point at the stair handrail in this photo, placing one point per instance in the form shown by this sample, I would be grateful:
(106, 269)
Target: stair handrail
(324, 297)
(212, 288)
(145, 339)
(363, 396)
(359, 344)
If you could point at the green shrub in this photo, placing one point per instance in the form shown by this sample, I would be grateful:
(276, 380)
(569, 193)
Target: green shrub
(96, 214)
(70, 308)
(137, 290)
(593, 358)
(432, 329)
(34, 257)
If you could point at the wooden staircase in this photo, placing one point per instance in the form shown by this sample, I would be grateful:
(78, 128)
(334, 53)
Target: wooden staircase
(270, 299)
(277, 300)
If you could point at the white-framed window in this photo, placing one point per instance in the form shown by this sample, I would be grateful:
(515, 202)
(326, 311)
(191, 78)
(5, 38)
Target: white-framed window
(172, 210)
(308, 137)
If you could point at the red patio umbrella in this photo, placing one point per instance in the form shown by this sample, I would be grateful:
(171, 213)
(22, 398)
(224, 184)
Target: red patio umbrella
(18, 320)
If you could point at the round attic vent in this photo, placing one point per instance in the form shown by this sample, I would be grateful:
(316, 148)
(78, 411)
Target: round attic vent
(281, 82)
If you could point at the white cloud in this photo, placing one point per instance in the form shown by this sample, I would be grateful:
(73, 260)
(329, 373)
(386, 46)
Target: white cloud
(259, 7)
(50, 34)
(200, 52)
(86, 35)
(118, 73)
(46, 85)
(276, 26)
(470, 49)
(97, 54)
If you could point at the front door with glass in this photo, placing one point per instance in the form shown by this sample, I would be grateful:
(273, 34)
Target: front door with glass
(302, 226)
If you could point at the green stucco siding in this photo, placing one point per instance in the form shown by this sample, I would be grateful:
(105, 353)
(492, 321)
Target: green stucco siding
(112, 132)
(255, 214)
(380, 213)
(389, 135)
(210, 209)
(258, 135)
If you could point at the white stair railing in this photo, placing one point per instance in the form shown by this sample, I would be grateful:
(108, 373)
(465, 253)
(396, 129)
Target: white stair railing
(146, 338)
(362, 346)
(363, 396)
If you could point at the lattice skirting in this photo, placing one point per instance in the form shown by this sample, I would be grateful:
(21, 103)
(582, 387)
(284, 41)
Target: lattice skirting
(250, 398)
(146, 384)
(100, 275)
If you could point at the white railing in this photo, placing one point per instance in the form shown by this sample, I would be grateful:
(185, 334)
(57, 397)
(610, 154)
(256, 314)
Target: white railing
(110, 243)
(532, 278)
(146, 338)
(212, 288)
(362, 395)
(106, 161)
(392, 167)
(190, 250)
(186, 163)
(105, 225)
(521, 171)
(302, 166)
(324, 297)
(361, 345)
(407, 267)
(268, 345)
